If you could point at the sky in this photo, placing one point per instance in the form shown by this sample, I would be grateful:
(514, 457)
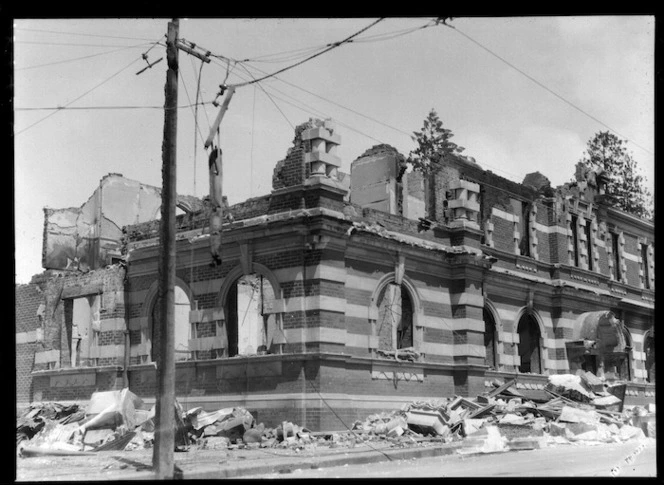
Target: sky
(520, 94)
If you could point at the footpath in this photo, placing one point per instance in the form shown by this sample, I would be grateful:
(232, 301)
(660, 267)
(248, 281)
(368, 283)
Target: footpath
(217, 464)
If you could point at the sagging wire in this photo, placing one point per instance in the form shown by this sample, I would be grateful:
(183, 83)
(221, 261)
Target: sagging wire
(273, 102)
(332, 46)
(79, 97)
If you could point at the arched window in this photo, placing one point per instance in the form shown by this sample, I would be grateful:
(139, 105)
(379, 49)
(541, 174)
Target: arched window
(395, 318)
(529, 344)
(490, 339)
(249, 328)
(181, 325)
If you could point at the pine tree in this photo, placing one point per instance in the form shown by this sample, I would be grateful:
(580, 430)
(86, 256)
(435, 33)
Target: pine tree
(433, 141)
(625, 188)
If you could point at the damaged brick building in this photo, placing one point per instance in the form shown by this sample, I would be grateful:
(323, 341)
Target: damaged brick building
(340, 295)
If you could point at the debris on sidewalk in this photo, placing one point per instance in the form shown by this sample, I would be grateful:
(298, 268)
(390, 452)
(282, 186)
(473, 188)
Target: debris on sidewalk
(511, 416)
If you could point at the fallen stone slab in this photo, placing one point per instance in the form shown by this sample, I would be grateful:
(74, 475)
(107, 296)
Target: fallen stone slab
(592, 382)
(486, 440)
(426, 422)
(576, 415)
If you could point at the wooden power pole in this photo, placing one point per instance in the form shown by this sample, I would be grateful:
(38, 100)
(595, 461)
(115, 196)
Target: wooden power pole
(162, 457)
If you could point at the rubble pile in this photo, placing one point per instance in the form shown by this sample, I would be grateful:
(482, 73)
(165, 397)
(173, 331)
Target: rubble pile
(33, 419)
(577, 408)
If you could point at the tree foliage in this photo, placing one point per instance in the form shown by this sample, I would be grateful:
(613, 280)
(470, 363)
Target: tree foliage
(625, 188)
(433, 141)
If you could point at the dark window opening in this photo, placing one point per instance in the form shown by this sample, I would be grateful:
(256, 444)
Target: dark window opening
(589, 245)
(524, 244)
(405, 326)
(644, 259)
(575, 241)
(529, 345)
(649, 348)
(615, 249)
(490, 339)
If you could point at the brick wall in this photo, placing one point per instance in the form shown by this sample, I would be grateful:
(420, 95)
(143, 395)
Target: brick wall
(503, 234)
(291, 170)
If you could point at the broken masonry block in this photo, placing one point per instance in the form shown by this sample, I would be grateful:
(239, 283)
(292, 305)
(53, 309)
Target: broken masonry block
(426, 422)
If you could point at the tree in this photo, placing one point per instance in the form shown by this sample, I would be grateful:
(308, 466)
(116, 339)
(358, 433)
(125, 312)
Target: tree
(625, 187)
(433, 141)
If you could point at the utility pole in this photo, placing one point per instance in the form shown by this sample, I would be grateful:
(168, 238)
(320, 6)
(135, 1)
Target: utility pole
(162, 457)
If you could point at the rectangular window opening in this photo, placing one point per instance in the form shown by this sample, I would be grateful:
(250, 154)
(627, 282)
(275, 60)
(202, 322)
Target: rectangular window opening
(644, 260)
(575, 241)
(615, 248)
(589, 245)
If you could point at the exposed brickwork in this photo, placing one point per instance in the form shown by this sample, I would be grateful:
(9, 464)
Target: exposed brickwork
(438, 335)
(206, 329)
(503, 234)
(632, 272)
(312, 287)
(436, 309)
(114, 337)
(435, 279)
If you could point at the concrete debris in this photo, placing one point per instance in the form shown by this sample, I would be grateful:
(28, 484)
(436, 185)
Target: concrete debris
(499, 420)
(570, 386)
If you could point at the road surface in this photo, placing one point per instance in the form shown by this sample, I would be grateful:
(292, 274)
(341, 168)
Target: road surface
(629, 459)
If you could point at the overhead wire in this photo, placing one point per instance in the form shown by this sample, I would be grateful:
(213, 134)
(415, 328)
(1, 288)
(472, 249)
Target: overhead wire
(63, 61)
(270, 98)
(198, 91)
(332, 46)
(74, 44)
(316, 112)
(80, 34)
(543, 86)
(79, 97)
(394, 35)
(409, 134)
(70, 108)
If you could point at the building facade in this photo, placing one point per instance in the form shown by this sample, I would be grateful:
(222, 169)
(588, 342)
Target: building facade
(339, 295)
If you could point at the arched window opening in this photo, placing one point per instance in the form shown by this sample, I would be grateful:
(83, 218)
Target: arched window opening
(249, 327)
(395, 318)
(529, 345)
(181, 326)
(616, 362)
(489, 339)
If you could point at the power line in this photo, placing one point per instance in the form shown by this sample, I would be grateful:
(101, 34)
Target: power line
(545, 87)
(84, 94)
(81, 34)
(196, 127)
(340, 105)
(333, 46)
(358, 113)
(270, 98)
(373, 38)
(76, 44)
(393, 35)
(79, 58)
(70, 108)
